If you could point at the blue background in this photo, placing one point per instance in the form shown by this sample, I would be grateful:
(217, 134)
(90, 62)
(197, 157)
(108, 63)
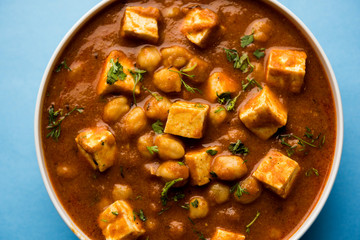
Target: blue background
(29, 34)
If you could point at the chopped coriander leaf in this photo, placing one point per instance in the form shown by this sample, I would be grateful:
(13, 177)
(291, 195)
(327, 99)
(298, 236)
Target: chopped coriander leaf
(134, 215)
(200, 234)
(168, 185)
(219, 109)
(239, 190)
(311, 171)
(185, 206)
(183, 72)
(157, 127)
(115, 213)
(189, 88)
(178, 196)
(115, 73)
(322, 141)
(252, 222)
(213, 174)
(55, 123)
(142, 216)
(211, 152)
(301, 141)
(225, 98)
(250, 82)
(259, 53)
(247, 40)
(62, 65)
(242, 63)
(290, 151)
(238, 148)
(198, 105)
(152, 149)
(192, 222)
(138, 77)
(163, 210)
(181, 163)
(157, 96)
(195, 203)
(189, 69)
(104, 220)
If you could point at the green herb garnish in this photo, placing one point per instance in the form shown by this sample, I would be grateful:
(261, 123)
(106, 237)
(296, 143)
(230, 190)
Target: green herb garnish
(238, 148)
(211, 152)
(137, 74)
(153, 149)
(252, 222)
(242, 63)
(247, 40)
(311, 171)
(183, 72)
(115, 73)
(181, 163)
(157, 127)
(55, 120)
(259, 53)
(115, 213)
(178, 196)
(185, 206)
(195, 203)
(213, 174)
(252, 82)
(157, 96)
(225, 98)
(239, 191)
(62, 65)
(163, 210)
(168, 185)
(219, 109)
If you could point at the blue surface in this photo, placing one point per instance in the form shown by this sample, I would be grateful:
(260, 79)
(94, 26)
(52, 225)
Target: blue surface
(29, 34)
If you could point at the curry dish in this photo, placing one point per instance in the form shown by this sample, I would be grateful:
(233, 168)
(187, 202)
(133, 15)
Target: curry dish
(180, 120)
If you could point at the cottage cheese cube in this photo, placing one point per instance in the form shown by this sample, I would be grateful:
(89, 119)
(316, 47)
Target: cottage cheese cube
(187, 119)
(221, 234)
(277, 172)
(98, 146)
(140, 22)
(219, 83)
(120, 86)
(117, 222)
(199, 24)
(199, 163)
(286, 69)
(263, 114)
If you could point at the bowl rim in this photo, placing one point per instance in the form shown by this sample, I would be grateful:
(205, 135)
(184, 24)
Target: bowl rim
(303, 226)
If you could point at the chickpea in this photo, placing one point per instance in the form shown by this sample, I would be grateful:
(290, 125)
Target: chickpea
(103, 204)
(148, 58)
(167, 81)
(175, 56)
(229, 167)
(262, 29)
(172, 12)
(121, 192)
(236, 134)
(169, 147)
(198, 207)
(135, 121)
(217, 115)
(171, 170)
(115, 109)
(219, 193)
(143, 142)
(200, 71)
(253, 190)
(157, 109)
(176, 230)
(66, 171)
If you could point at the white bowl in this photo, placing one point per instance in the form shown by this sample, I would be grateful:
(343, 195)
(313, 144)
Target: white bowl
(277, 6)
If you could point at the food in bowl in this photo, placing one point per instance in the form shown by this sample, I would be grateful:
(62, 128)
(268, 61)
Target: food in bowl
(213, 120)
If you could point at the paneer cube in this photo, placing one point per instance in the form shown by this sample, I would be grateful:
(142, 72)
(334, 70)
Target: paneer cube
(98, 146)
(264, 114)
(199, 24)
(140, 22)
(286, 69)
(222, 234)
(277, 172)
(199, 163)
(117, 222)
(187, 119)
(111, 75)
(219, 83)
